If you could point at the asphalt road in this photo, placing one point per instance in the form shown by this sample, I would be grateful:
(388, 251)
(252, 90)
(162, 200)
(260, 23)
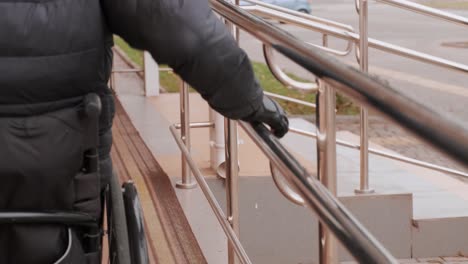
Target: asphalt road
(441, 89)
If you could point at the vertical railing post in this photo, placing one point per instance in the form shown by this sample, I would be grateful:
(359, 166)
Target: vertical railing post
(186, 182)
(326, 154)
(112, 81)
(232, 170)
(232, 182)
(217, 148)
(325, 40)
(364, 62)
(151, 75)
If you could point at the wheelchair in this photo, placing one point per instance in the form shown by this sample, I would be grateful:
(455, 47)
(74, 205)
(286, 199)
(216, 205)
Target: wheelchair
(53, 208)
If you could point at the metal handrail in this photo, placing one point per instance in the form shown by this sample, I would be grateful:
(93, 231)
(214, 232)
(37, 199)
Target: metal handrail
(269, 54)
(289, 192)
(290, 99)
(368, 92)
(228, 230)
(381, 153)
(281, 76)
(332, 214)
(387, 154)
(360, 243)
(347, 35)
(428, 11)
(300, 14)
(444, 134)
(314, 19)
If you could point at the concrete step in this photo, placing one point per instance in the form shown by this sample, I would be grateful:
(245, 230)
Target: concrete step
(439, 219)
(440, 237)
(273, 230)
(442, 260)
(387, 217)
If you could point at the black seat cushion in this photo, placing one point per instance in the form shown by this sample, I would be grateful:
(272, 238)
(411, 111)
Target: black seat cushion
(41, 170)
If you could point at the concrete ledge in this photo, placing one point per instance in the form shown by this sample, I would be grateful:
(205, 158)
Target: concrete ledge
(440, 237)
(387, 217)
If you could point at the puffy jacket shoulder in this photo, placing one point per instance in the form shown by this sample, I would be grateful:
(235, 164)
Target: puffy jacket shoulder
(51, 50)
(188, 36)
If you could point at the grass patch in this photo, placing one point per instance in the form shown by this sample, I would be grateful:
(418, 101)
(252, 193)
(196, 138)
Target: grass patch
(447, 4)
(134, 54)
(170, 82)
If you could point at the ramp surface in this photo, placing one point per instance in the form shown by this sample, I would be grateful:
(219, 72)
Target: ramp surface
(170, 238)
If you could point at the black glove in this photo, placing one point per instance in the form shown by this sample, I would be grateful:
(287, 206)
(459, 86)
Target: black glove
(272, 114)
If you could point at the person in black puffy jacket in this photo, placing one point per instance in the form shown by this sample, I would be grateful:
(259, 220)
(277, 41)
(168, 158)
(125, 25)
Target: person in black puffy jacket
(55, 51)
(59, 49)
(187, 36)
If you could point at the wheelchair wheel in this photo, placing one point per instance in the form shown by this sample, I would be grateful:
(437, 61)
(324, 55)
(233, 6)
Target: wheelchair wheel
(135, 225)
(119, 250)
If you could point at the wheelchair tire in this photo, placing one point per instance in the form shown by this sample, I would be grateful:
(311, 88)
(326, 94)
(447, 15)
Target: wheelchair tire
(119, 250)
(135, 224)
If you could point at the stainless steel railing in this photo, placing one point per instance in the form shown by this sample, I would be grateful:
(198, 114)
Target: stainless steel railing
(335, 219)
(428, 11)
(366, 90)
(362, 44)
(331, 212)
(355, 84)
(363, 59)
(319, 196)
(362, 56)
(354, 37)
(225, 221)
(271, 61)
(296, 14)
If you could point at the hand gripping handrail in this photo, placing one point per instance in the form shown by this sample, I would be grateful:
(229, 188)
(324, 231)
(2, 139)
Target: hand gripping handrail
(429, 125)
(360, 243)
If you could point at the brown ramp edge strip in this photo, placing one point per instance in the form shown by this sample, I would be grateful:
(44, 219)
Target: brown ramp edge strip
(170, 237)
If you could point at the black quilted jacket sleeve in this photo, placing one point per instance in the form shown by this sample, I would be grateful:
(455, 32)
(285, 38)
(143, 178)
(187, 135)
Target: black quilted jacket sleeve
(186, 35)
